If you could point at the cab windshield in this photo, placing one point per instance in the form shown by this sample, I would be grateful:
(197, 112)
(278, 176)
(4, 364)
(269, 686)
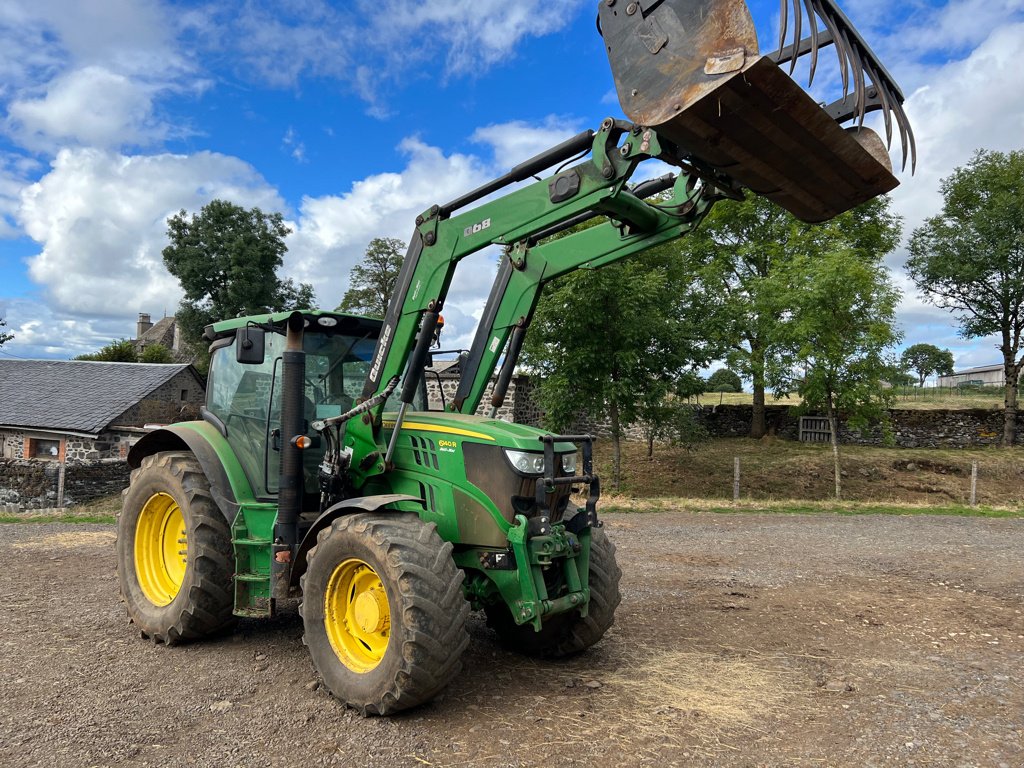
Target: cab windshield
(247, 398)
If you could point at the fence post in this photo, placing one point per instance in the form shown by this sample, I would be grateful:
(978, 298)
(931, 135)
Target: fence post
(974, 483)
(736, 480)
(60, 484)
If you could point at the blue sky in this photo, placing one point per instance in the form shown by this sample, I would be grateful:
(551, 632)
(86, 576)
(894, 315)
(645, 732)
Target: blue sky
(350, 118)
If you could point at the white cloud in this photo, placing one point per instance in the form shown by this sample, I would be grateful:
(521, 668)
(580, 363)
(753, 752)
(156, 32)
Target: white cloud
(43, 332)
(516, 141)
(91, 106)
(100, 218)
(333, 231)
(477, 33)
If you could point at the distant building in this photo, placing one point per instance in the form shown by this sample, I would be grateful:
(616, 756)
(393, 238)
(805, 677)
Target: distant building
(164, 331)
(985, 376)
(65, 410)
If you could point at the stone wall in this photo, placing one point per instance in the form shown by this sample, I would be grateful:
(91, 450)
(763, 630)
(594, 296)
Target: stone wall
(27, 484)
(12, 444)
(909, 428)
(509, 411)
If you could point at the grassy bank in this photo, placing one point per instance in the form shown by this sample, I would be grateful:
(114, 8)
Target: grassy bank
(773, 470)
(99, 511)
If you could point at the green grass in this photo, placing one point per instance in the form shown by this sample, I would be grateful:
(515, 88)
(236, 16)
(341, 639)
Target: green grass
(796, 507)
(103, 511)
(102, 519)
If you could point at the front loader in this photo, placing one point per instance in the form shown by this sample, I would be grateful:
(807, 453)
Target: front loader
(317, 470)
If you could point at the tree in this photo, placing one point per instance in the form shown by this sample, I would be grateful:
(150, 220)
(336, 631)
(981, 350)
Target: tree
(724, 380)
(373, 280)
(156, 353)
(117, 351)
(742, 256)
(4, 336)
(226, 258)
(926, 359)
(839, 332)
(969, 258)
(609, 341)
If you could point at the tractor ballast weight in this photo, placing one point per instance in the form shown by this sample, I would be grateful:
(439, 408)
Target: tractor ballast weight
(691, 69)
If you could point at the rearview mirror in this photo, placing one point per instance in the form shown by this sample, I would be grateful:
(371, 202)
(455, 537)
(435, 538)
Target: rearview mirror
(250, 344)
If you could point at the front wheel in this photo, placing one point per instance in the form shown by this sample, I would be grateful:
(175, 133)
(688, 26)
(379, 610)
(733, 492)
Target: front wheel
(174, 555)
(565, 634)
(383, 611)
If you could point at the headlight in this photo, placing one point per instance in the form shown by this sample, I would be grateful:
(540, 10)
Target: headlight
(569, 463)
(527, 463)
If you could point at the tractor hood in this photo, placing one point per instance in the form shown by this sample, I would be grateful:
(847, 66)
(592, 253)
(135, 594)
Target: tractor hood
(476, 429)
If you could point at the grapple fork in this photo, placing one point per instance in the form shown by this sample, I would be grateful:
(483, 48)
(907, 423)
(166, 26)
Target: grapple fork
(691, 69)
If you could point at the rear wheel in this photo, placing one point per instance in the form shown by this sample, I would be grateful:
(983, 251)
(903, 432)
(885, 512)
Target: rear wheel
(383, 611)
(174, 555)
(568, 633)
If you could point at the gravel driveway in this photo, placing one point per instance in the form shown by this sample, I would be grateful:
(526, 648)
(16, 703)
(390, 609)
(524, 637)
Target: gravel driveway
(743, 639)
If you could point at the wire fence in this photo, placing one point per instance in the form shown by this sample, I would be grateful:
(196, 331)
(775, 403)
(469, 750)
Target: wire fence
(988, 394)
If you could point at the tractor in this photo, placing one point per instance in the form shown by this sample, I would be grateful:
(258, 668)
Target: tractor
(317, 471)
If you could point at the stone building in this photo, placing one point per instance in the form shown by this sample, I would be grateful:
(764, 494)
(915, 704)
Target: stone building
(164, 331)
(85, 415)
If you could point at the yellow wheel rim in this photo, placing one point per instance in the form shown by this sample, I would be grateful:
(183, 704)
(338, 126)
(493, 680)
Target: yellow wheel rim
(357, 615)
(161, 549)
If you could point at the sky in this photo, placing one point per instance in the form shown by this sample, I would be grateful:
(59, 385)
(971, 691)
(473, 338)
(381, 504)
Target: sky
(350, 118)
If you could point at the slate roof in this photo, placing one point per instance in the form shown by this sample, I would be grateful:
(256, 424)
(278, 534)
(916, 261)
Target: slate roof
(74, 395)
(162, 332)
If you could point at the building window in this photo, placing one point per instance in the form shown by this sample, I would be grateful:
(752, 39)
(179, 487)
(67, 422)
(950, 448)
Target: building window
(45, 449)
(184, 395)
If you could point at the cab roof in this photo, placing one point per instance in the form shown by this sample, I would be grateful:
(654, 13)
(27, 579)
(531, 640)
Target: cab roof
(316, 319)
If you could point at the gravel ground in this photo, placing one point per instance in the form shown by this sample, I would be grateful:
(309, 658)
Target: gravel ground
(742, 640)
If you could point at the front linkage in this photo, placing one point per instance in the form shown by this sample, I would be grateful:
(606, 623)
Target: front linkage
(544, 570)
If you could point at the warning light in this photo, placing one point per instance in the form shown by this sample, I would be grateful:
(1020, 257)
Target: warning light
(301, 442)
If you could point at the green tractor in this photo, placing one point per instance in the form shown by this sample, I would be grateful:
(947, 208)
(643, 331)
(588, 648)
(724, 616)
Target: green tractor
(317, 470)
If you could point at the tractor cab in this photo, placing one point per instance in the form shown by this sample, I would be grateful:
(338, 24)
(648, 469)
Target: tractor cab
(244, 392)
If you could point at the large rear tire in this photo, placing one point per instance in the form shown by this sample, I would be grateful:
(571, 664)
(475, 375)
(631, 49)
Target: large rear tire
(569, 633)
(383, 611)
(174, 554)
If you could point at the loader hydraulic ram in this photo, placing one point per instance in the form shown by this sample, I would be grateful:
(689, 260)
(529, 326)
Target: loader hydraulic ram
(317, 470)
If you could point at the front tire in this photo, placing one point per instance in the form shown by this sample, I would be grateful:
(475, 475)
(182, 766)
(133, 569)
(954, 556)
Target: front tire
(566, 634)
(174, 554)
(383, 611)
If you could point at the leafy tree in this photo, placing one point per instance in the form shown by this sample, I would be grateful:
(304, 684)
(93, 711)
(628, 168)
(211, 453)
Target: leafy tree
(671, 420)
(226, 258)
(724, 380)
(839, 332)
(156, 353)
(4, 336)
(926, 359)
(615, 340)
(373, 280)
(897, 376)
(743, 254)
(117, 351)
(969, 258)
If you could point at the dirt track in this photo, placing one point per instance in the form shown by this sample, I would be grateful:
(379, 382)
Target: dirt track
(741, 640)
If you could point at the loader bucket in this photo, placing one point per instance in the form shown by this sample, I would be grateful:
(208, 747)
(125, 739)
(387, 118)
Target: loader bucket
(691, 70)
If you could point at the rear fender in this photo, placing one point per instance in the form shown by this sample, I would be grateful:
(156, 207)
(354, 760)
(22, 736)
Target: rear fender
(228, 484)
(347, 507)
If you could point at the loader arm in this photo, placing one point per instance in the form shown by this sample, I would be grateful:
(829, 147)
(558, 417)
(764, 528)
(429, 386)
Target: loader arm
(701, 97)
